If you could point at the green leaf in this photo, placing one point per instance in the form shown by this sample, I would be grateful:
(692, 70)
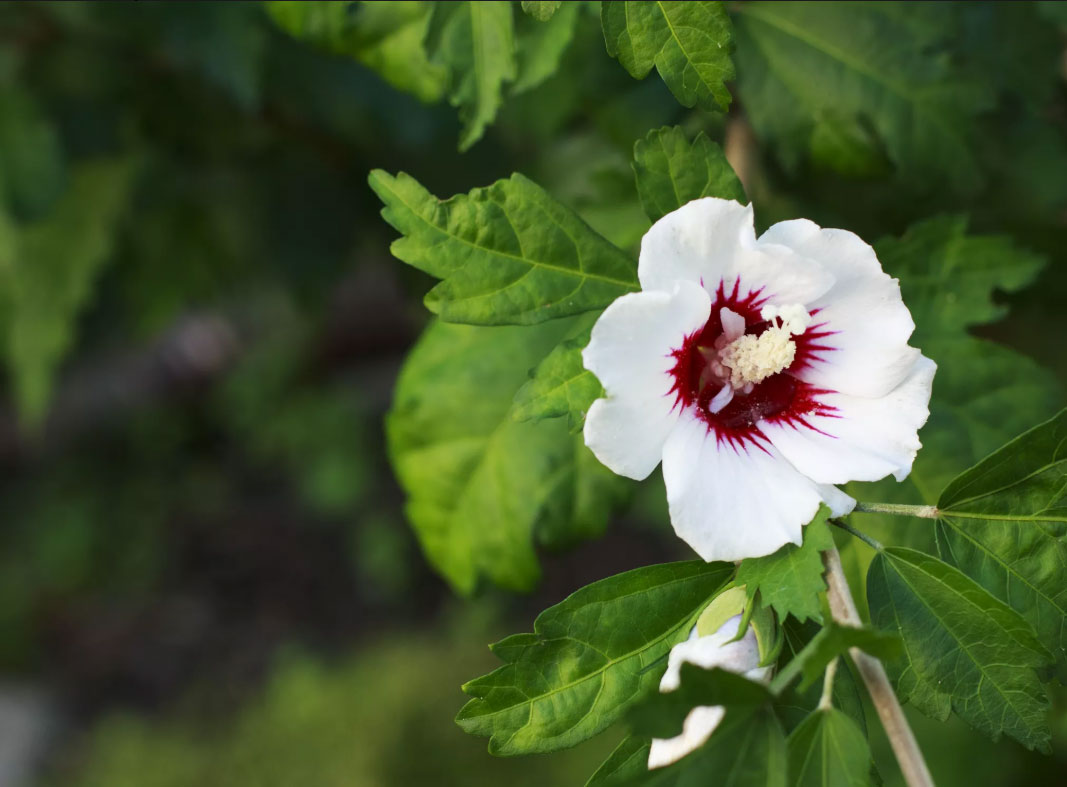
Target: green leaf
(832, 641)
(829, 750)
(961, 642)
(662, 715)
(806, 67)
(672, 171)
(591, 657)
(790, 580)
(1004, 524)
(54, 264)
(508, 253)
(481, 486)
(628, 762)
(688, 43)
(747, 749)
(476, 41)
(31, 155)
(542, 10)
(384, 36)
(541, 45)
(561, 385)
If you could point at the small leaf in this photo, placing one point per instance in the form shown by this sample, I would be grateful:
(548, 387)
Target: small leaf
(476, 41)
(1004, 524)
(961, 642)
(542, 10)
(833, 640)
(671, 171)
(829, 750)
(561, 385)
(508, 253)
(587, 662)
(688, 43)
(790, 580)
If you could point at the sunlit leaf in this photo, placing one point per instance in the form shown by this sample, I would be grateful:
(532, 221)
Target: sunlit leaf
(508, 253)
(672, 171)
(688, 43)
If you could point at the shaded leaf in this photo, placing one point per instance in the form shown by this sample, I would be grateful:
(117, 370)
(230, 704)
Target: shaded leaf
(476, 41)
(481, 486)
(833, 640)
(828, 750)
(541, 45)
(629, 761)
(672, 171)
(790, 580)
(960, 642)
(688, 43)
(542, 10)
(1004, 524)
(803, 64)
(589, 658)
(508, 253)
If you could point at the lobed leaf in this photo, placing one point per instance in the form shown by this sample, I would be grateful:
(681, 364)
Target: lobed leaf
(508, 253)
(672, 171)
(827, 749)
(961, 646)
(589, 658)
(688, 43)
(790, 580)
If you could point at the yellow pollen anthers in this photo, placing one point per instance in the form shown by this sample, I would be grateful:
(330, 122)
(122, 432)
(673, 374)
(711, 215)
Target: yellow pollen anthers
(752, 359)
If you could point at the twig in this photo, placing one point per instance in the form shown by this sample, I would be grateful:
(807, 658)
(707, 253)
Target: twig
(866, 539)
(827, 700)
(923, 512)
(901, 738)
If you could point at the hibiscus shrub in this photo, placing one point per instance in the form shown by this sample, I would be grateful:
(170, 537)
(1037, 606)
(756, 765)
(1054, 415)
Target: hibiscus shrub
(577, 345)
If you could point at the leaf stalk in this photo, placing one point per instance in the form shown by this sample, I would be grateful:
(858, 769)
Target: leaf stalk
(923, 512)
(901, 738)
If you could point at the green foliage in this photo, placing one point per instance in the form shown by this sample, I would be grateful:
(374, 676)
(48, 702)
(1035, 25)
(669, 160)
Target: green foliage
(52, 265)
(831, 641)
(482, 485)
(542, 10)
(964, 649)
(508, 253)
(385, 36)
(541, 44)
(589, 659)
(561, 385)
(688, 43)
(1003, 523)
(790, 580)
(32, 168)
(672, 171)
(476, 42)
(811, 70)
(828, 750)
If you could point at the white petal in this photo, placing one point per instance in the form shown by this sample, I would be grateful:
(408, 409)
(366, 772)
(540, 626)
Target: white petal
(629, 352)
(870, 354)
(712, 240)
(864, 439)
(696, 729)
(730, 503)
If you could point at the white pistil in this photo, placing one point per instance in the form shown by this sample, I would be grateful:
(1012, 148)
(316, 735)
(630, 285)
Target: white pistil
(743, 360)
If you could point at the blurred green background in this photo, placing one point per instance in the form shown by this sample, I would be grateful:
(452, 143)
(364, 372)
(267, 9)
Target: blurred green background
(205, 573)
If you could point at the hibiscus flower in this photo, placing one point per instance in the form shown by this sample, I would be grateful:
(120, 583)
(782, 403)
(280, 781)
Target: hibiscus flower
(761, 372)
(715, 650)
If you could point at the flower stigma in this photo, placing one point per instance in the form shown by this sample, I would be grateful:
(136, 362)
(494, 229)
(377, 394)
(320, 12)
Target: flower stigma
(739, 360)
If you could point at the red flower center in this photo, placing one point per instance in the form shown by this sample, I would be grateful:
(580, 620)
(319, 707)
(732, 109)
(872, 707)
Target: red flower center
(779, 397)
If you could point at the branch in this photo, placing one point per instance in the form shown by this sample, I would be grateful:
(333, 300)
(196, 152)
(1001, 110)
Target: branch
(901, 738)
